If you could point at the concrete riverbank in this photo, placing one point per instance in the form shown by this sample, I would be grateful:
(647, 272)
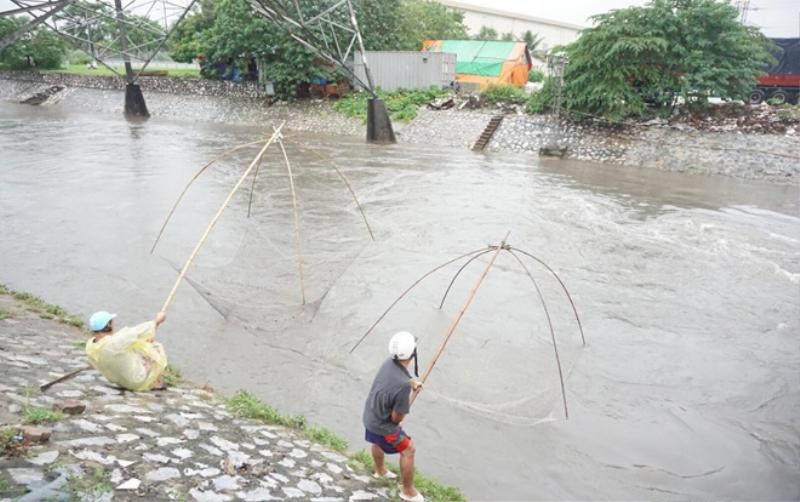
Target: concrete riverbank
(84, 439)
(731, 151)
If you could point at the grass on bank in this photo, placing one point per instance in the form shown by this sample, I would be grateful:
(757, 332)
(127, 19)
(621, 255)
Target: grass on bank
(91, 486)
(246, 405)
(36, 415)
(172, 376)
(42, 308)
(401, 104)
(431, 489)
(102, 71)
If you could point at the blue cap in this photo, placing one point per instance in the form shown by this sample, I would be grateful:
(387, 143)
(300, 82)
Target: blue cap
(100, 320)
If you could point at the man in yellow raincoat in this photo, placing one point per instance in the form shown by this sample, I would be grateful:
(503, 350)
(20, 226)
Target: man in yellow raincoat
(130, 358)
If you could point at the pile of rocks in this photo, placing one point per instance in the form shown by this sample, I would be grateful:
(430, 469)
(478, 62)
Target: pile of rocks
(100, 442)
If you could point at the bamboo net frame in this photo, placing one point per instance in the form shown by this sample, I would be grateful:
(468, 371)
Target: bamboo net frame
(297, 227)
(275, 136)
(472, 256)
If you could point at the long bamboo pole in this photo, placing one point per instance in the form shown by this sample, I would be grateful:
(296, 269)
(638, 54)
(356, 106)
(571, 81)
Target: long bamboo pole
(458, 272)
(197, 175)
(408, 289)
(457, 318)
(171, 295)
(298, 241)
(253, 187)
(344, 180)
(550, 325)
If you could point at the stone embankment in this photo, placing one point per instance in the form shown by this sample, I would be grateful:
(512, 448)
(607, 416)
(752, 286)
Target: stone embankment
(657, 145)
(182, 99)
(738, 147)
(84, 439)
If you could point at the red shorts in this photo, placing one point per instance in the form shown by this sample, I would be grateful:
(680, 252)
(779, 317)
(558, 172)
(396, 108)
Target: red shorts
(390, 443)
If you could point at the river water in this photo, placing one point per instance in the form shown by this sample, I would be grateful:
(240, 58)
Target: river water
(688, 289)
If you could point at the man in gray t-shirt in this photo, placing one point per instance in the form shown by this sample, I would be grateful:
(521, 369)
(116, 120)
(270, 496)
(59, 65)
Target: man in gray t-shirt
(388, 402)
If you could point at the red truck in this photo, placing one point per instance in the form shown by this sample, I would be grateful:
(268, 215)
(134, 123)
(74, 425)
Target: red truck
(781, 84)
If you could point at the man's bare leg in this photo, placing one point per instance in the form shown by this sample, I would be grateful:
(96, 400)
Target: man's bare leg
(407, 470)
(378, 457)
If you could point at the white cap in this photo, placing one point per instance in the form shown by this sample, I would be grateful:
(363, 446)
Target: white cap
(402, 345)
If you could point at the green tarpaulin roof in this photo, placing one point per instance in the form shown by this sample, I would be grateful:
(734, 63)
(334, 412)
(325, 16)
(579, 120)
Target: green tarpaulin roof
(479, 57)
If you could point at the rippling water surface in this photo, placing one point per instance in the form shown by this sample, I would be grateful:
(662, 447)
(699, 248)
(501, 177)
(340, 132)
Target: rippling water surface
(688, 289)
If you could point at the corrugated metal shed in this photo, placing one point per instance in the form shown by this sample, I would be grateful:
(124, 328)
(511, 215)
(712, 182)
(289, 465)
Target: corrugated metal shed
(392, 70)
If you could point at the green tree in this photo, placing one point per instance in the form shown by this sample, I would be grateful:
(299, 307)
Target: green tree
(13, 55)
(643, 58)
(186, 41)
(486, 33)
(422, 20)
(508, 37)
(47, 48)
(94, 26)
(44, 47)
(143, 34)
(379, 22)
(533, 41)
(238, 35)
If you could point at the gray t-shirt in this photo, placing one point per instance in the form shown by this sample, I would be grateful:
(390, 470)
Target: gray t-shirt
(391, 390)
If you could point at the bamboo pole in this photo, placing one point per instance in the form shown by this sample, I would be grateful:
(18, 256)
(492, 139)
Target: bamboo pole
(171, 295)
(552, 331)
(253, 187)
(465, 265)
(344, 180)
(457, 318)
(197, 175)
(563, 286)
(408, 289)
(298, 244)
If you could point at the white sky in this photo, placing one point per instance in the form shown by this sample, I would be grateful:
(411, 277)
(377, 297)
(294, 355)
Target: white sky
(777, 18)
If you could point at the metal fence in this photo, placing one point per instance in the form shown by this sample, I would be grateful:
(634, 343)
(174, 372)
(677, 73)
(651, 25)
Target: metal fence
(392, 70)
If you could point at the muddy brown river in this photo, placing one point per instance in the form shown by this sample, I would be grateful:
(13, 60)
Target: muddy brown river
(688, 288)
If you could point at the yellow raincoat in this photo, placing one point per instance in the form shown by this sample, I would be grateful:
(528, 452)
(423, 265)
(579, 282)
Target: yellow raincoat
(129, 358)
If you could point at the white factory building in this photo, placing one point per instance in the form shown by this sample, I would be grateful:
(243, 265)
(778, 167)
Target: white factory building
(552, 32)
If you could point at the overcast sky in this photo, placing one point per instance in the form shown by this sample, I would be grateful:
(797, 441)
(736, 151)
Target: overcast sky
(777, 18)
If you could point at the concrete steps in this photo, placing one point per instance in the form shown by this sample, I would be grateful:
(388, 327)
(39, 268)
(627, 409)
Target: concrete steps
(488, 132)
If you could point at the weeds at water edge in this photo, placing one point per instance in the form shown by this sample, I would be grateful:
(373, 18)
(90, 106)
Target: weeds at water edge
(42, 308)
(246, 405)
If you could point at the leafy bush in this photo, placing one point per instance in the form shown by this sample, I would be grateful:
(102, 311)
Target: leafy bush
(541, 101)
(642, 59)
(402, 104)
(503, 94)
(42, 45)
(535, 76)
(77, 57)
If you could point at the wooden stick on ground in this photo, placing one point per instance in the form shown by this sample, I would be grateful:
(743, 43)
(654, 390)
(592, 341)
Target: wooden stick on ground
(298, 241)
(275, 136)
(63, 378)
(197, 175)
(457, 318)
